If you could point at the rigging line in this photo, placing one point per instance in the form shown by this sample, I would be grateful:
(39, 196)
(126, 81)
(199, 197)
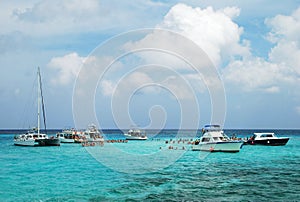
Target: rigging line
(43, 106)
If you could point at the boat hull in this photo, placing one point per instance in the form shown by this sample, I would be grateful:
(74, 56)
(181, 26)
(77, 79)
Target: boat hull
(218, 146)
(64, 140)
(269, 142)
(28, 143)
(48, 142)
(135, 138)
(37, 142)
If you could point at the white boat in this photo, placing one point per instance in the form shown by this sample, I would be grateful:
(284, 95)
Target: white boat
(27, 139)
(66, 136)
(269, 139)
(135, 134)
(215, 140)
(71, 136)
(92, 134)
(35, 137)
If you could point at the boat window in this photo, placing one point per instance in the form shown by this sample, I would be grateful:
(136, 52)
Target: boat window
(216, 138)
(266, 135)
(205, 139)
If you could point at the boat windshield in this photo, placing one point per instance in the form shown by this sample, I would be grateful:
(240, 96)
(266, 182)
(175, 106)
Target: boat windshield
(205, 139)
(267, 135)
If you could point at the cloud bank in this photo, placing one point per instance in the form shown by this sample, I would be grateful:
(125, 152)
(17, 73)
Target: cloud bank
(281, 68)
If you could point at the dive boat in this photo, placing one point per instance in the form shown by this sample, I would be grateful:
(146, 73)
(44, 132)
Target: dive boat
(267, 139)
(70, 136)
(92, 134)
(65, 137)
(215, 140)
(35, 137)
(135, 134)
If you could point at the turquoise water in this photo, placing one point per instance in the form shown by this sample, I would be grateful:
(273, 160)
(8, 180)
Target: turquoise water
(70, 173)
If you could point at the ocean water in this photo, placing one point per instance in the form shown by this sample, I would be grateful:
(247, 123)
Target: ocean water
(73, 173)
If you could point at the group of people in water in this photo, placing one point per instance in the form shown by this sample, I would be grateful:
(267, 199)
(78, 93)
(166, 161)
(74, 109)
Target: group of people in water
(101, 143)
(178, 144)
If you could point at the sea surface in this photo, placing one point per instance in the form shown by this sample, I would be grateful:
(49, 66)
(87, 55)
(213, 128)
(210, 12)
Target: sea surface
(75, 173)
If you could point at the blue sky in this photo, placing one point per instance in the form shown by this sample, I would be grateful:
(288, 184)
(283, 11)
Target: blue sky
(254, 45)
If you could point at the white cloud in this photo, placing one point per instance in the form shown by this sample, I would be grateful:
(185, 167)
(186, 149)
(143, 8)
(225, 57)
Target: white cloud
(67, 68)
(254, 74)
(281, 68)
(287, 53)
(51, 11)
(61, 17)
(284, 27)
(272, 89)
(135, 81)
(213, 30)
(49, 17)
(145, 82)
(285, 34)
(179, 87)
(107, 87)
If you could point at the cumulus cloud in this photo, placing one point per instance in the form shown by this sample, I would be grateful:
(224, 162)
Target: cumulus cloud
(213, 30)
(282, 67)
(284, 27)
(257, 74)
(67, 67)
(285, 34)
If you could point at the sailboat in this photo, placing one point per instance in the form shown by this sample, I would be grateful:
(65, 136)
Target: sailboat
(35, 137)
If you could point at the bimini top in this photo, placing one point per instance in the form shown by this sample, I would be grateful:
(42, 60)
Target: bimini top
(212, 127)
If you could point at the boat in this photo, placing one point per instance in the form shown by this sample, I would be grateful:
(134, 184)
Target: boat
(135, 134)
(269, 139)
(67, 136)
(92, 134)
(70, 136)
(35, 137)
(215, 140)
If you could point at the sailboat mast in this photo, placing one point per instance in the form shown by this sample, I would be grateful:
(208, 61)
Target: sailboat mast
(42, 102)
(38, 100)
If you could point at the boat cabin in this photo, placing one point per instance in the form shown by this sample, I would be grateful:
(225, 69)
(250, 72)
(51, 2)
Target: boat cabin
(264, 135)
(214, 136)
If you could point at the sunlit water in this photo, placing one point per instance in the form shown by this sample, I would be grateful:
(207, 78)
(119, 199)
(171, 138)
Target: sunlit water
(70, 173)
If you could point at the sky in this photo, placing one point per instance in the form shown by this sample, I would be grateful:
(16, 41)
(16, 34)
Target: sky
(253, 47)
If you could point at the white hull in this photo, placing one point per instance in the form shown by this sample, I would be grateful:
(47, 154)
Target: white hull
(218, 147)
(64, 140)
(31, 143)
(129, 137)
